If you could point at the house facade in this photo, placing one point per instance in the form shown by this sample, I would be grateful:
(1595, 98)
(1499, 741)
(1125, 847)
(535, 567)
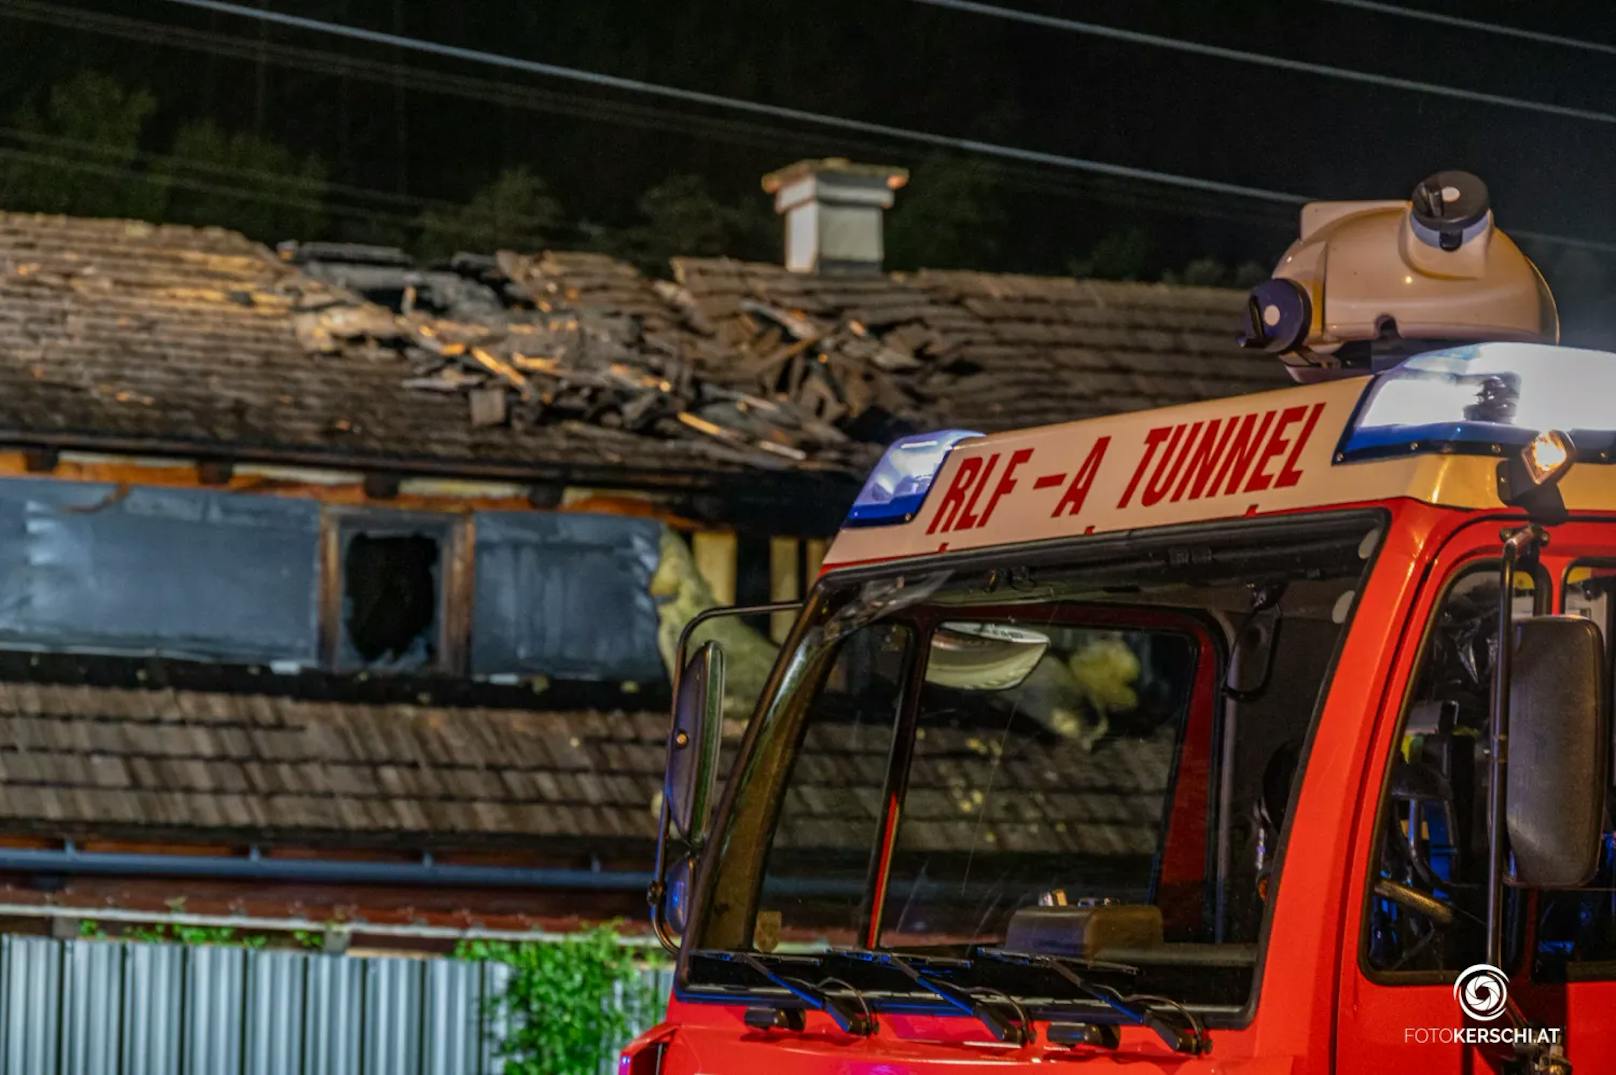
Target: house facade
(335, 588)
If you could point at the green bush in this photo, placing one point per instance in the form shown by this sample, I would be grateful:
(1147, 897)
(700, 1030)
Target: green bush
(167, 933)
(569, 1003)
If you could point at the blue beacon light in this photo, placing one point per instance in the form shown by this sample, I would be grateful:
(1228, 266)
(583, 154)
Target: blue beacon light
(899, 483)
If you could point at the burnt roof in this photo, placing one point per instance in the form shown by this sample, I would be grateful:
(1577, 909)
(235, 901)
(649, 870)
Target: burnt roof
(993, 351)
(128, 336)
(562, 366)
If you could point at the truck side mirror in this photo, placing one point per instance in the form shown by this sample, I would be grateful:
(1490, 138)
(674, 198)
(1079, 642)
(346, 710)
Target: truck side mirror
(691, 770)
(693, 742)
(1559, 751)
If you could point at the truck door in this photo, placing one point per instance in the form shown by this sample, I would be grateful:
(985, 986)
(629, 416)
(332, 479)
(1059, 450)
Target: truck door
(1572, 939)
(1418, 876)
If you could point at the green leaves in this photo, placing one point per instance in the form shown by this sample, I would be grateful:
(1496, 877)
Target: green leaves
(950, 216)
(516, 211)
(81, 151)
(256, 185)
(569, 1003)
(79, 142)
(168, 933)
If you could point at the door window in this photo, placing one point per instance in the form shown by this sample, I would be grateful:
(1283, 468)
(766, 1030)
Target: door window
(1576, 929)
(1432, 840)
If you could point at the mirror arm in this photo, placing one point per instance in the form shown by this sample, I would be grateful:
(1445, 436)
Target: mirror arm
(656, 893)
(1520, 545)
(712, 614)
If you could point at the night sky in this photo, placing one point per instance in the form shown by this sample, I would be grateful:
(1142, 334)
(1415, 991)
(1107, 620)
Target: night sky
(399, 123)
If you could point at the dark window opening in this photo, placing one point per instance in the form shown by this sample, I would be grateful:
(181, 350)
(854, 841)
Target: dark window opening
(390, 603)
(1433, 828)
(752, 571)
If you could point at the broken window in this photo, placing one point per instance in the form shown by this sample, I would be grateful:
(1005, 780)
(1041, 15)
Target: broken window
(392, 594)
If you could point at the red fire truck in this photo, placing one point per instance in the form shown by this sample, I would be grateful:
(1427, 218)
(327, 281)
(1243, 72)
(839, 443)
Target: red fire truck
(1268, 734)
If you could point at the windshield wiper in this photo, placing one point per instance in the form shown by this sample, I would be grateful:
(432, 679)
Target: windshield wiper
(851, 1020)
(1017, 1030)
(1145, 1011)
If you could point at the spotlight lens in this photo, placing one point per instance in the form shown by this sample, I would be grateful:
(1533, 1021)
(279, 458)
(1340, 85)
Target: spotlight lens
(1484, 398)
(1547, 456)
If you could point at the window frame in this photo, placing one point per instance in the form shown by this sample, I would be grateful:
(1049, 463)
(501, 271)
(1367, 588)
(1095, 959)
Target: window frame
(1371, 522)
(1208, 661)
(323, 528)
(456, 567)
(1590, 970)
(1476, 561)
(917, 635)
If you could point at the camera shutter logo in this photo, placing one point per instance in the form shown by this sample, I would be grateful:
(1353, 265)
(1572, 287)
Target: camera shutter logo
(1482, 991)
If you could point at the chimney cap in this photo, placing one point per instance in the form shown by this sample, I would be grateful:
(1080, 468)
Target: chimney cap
(892, 176)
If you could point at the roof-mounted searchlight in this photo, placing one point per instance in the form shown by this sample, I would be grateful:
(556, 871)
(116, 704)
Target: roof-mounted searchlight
(1369, 283)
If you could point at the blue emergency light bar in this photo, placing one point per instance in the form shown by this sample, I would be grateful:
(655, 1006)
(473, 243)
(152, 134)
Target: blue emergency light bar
(1483, 397)
(900, 481)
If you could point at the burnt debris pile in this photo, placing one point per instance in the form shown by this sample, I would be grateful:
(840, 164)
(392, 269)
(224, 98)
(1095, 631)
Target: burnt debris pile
(578, 337)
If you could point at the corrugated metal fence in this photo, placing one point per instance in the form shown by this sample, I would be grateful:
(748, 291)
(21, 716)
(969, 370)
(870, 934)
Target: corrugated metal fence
(128, 1008)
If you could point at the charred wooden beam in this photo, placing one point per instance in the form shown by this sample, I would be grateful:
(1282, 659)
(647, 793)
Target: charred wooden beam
(545, 495)
(215, 471)
(381, 485)
(40, 460)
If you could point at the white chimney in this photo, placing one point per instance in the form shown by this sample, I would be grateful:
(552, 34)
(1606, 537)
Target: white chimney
(833, 213)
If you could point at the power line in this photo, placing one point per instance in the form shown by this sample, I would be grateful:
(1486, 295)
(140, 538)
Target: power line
(116, 171)
(799, 115)
(1563, 240)
(315, 188)
(310, 184)
(995, 152)
(1476, 24)
(1220, 52)
(964, 145)
(643, 116)
(338, 64)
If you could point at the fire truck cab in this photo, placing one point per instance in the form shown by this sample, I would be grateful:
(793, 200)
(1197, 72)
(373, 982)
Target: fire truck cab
(1268, 734)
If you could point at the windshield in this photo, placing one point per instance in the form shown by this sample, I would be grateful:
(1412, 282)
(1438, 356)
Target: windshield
(1089, 755)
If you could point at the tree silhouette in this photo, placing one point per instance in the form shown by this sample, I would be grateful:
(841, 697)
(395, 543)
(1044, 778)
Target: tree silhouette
(682, 217)
(1119, 255)
(949, 216)
(245, 181)
(516, 211)
(79, 152)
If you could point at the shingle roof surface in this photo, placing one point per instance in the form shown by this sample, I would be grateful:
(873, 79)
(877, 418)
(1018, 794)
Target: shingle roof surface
(117, 332)
(197, 339)
(995, 351)
(160, 762)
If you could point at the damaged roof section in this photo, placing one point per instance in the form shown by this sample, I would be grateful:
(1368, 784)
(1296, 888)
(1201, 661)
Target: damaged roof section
(987, 351)
(118, 335)
(557, 338)
(568, 367)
